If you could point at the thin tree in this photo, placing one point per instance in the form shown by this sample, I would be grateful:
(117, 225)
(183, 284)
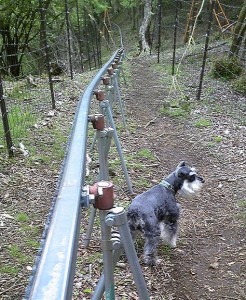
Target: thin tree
(144, 45)
(239, 32)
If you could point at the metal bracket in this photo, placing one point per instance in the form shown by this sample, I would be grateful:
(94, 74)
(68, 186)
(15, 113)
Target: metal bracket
(101, 195)
(86, 198)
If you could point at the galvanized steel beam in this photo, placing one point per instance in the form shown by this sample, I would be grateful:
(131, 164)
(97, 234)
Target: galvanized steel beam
(53, 278)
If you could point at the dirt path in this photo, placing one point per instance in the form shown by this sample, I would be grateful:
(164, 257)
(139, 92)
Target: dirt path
(210, 260)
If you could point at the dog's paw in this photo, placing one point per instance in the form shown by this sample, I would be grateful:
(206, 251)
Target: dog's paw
(173, 244)
(150, 261)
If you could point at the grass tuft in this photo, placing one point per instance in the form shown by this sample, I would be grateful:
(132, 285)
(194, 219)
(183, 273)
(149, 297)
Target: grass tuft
(202, 123)
(22, 217)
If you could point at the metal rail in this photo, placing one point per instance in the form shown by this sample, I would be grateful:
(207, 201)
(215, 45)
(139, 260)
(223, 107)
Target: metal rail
(55, 269)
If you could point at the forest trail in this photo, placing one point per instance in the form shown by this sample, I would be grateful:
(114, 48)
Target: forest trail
(209, 262)
(210, 259)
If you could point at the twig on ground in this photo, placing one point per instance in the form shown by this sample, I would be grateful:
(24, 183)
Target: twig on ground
(232, 179)
(12, 286)
(151, 165)
(150, 122)
(168, 133)
(147, 166)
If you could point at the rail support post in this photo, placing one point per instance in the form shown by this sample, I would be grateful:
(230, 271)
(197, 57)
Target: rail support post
(114, 243)
(104, 136)
(107, 112)
(114, 75)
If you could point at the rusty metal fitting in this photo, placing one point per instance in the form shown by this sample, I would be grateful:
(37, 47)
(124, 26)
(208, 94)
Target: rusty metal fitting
(106, 80)
(97, 121)
(99, 95)
(119, 61)
(104, 195)
(110, 71)
(114, 65)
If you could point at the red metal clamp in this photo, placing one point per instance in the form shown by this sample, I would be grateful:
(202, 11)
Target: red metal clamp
(99, 95)
(104, 195)
(110, 71)
(106, 80)
(97, 121)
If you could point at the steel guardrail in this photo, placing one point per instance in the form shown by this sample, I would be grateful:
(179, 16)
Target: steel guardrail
(54, 271)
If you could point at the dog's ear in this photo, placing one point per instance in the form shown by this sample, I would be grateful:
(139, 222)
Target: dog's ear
(183, 172)
(181, 164)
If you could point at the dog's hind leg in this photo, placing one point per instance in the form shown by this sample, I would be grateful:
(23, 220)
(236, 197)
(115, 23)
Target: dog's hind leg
(150, 250)
(152, 235)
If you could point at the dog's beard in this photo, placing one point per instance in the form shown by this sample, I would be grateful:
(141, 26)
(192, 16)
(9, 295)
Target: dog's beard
(190, 188)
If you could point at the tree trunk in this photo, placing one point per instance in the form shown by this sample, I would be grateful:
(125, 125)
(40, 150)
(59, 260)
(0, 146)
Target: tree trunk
(43, 8)
(144, 45)
(11, 52)
(239, 32)
(115, 6)
(134, 18)
(244, 49)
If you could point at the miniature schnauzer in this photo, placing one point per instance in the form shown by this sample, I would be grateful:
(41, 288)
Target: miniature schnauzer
(155, 212)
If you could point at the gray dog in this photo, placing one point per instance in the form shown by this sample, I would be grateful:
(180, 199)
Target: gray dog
(155, 212)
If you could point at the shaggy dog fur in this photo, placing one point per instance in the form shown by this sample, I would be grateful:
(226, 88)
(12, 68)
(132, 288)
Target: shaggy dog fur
(155, 212)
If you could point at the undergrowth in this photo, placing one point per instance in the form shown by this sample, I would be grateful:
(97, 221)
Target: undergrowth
(227, 67)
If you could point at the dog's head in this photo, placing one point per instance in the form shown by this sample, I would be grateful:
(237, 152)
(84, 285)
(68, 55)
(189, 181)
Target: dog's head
(191, 182)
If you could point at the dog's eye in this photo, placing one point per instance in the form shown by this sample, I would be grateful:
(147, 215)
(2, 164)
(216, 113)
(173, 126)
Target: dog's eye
(192, 177)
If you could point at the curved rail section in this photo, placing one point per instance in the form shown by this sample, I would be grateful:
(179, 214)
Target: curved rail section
(53, 278)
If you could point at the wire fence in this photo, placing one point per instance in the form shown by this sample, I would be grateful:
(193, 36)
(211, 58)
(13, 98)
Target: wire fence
(33, 74)
(198, 40)
(207, 36)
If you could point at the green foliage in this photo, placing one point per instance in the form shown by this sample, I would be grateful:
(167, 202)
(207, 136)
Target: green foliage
(146, 153)
(165, 250)
(177, 108)
(87, 291)
(18, 92)
(176, 112)
(240, 84)
(30, 230)
(227, 68)
(211, 144)
(16, 253)
(142, 183)
(218, 138)
(6, 269)
(202, 123)
(22, 217)
(20, 121)
(129, 3)
(32, 243)
(19, 25)
(14, 250)
(18, 8)
(96, 6)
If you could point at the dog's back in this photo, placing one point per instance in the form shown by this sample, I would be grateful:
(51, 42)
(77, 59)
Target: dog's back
(154, 200)
(156, 203)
